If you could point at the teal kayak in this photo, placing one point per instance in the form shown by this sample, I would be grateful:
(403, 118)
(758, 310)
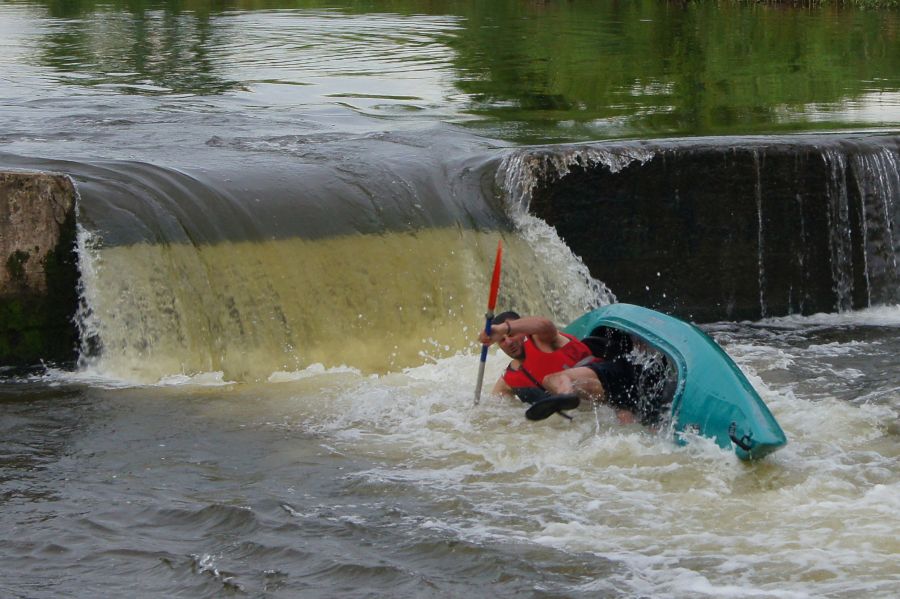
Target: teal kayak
(702, 390)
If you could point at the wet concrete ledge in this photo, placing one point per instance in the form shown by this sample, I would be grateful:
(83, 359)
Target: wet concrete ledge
(38, 269)
(728, 228)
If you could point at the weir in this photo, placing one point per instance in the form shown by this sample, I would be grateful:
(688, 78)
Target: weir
(377, 303)
(382, 267)
(378, 265)
(725, 228)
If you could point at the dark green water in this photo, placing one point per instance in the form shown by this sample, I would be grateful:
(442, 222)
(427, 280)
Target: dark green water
(668, 68)
(522, 71)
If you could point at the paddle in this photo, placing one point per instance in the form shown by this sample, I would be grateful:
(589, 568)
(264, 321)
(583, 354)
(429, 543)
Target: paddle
(489, 317)
(554, 404)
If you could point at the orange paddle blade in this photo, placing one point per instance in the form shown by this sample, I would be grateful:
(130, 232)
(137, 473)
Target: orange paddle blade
(495, 279)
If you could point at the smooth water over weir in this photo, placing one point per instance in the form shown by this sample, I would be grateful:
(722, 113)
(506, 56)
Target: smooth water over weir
(378, 303)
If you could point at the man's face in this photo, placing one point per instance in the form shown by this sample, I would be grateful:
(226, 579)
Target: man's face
(513, 346)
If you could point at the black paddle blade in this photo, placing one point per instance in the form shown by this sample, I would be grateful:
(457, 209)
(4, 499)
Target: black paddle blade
(548, 407)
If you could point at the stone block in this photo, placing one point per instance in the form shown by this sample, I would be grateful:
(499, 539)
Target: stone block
(38, 269)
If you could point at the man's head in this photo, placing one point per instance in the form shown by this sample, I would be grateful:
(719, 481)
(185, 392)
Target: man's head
(512, 345)
(504, 316)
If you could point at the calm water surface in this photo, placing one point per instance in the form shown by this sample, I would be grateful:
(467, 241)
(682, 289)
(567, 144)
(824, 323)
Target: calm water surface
(519, 71)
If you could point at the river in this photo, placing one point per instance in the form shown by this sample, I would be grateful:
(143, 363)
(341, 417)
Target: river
(287, 217)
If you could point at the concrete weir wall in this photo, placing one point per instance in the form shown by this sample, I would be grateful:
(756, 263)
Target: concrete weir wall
(38, 269)
(726, 229)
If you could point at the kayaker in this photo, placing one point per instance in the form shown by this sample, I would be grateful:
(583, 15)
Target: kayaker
(549, 364)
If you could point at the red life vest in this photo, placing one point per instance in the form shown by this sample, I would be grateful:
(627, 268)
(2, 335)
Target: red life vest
(540, 363)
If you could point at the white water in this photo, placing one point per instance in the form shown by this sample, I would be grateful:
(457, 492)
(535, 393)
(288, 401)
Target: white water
(818, 518)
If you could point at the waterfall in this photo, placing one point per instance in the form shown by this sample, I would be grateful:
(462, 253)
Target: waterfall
(723, 228)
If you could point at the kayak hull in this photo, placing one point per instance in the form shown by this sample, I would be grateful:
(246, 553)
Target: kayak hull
(711, 397)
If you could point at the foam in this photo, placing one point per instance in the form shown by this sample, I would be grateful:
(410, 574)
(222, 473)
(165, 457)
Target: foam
(679, 521)
(888, 316)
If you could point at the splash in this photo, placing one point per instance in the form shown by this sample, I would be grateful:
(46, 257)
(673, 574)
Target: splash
(518, 176)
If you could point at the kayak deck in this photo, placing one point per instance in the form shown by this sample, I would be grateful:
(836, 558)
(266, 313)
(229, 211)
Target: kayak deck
(696, 385)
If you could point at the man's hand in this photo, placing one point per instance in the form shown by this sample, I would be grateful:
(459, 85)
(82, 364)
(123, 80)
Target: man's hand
(540, 328)
(498, 332)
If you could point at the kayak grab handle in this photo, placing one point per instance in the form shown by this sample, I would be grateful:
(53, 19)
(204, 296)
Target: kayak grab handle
(745, 442)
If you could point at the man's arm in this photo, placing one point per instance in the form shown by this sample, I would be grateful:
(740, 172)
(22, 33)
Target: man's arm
(541, 330)
(502, 389)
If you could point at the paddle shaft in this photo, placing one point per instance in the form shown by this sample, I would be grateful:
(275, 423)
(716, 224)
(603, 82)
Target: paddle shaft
(489, 319)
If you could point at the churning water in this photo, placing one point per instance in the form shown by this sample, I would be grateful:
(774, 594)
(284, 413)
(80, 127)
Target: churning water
(329, 480)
